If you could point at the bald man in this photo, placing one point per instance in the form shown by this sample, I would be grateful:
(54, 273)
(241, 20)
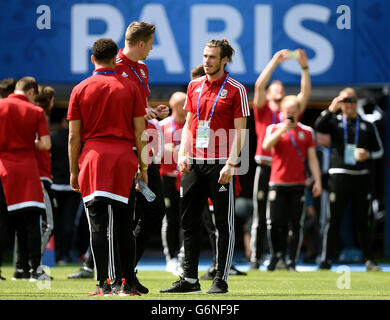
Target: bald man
(170, 231)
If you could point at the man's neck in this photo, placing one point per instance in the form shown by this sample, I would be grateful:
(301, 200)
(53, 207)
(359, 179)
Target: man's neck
(216, 76)
(103, 65)
(130, 54)
(274, 106)
(20, 92)
(177, 118)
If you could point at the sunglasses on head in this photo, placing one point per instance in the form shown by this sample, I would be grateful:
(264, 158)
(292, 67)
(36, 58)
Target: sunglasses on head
(350, 100)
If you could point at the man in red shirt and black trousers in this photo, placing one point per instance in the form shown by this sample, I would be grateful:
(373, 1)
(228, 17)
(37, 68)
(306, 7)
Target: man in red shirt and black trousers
(21, 196)
(291, 143)
(106, 113)
(139, 40)
(212, 138)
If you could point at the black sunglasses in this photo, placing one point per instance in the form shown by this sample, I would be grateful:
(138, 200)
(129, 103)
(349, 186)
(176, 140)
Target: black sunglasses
(350, 100)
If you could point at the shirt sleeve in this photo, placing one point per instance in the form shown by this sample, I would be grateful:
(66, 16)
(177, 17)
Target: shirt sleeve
(311, 138)
(139, 109)
(43, 129)
(188, 103)
(324, 123)
(74, 107)
(376, 146)
(241, 104)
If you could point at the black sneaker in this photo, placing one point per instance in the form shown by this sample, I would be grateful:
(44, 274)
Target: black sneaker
(325, 265)
(84, 273)
(20, 274)
(235, 272)
(272, 264)
(126, 290)
(138, 286)
(218, 286)
(102, 291)
(183, 286)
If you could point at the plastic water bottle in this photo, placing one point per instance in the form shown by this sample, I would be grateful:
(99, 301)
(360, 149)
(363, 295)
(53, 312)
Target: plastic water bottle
(148, 194)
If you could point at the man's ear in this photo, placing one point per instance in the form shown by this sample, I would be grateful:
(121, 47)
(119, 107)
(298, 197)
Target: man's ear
(30, 93)
(224, 61)
(141, 44)
(93, 59)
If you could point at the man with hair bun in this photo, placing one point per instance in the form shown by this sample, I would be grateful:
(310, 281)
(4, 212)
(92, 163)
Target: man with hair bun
(214, 102)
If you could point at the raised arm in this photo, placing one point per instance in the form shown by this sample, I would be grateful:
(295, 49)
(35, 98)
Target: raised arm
(305, 93)
(259, 97)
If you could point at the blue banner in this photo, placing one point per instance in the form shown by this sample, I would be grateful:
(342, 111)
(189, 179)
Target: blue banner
(347, 41)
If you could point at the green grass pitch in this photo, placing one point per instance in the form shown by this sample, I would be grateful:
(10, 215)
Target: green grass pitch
(257, 285)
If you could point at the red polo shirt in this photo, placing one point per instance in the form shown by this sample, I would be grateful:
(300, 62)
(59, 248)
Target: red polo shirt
(20, 123)
(287, 164)
(232, 104)
(172, 134)
(263, 118)
(136, 71)
(105, 104)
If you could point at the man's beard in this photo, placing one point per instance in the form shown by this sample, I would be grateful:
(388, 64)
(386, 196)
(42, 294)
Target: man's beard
(216, 71)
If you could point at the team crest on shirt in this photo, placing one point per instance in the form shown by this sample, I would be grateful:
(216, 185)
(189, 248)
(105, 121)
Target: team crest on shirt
(124, 74)
(143, 73)
(301, 135)
(224, 93)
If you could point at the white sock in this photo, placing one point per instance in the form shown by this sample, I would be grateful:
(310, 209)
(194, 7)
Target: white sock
(191, 280)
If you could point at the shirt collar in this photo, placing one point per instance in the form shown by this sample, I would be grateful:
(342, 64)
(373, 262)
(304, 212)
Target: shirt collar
(217, 82)
(129, 62)
(104, 69)
(18, 96)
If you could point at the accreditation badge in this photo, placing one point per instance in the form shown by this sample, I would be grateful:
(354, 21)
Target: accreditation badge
(203, 134)
(349, 154)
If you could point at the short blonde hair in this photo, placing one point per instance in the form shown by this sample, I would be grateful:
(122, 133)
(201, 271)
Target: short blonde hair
(348, 90)
(139, 31)
(291, 98)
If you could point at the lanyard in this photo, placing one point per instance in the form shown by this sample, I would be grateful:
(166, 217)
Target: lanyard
(174, 132)
(273, 117)
(103, 72)
(346, 130)
(216, 99)
(296, 146)
(139, 78)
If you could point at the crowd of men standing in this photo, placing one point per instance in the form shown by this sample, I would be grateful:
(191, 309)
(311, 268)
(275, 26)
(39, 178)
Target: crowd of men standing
(109, 159)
